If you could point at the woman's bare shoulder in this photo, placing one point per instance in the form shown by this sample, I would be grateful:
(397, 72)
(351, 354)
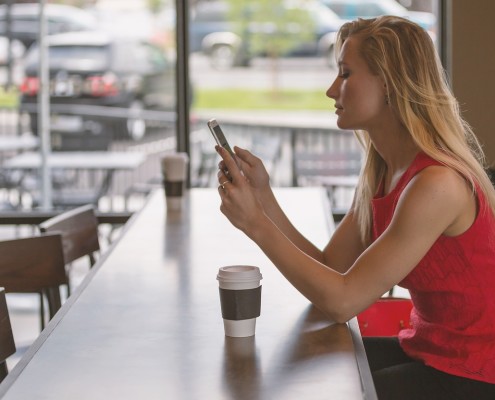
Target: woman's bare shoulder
(441, 196)
(439, 177)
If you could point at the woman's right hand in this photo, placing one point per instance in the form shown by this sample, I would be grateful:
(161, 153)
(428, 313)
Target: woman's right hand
(253, 169)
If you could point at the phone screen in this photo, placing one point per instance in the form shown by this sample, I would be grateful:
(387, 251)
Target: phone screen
(219, 136)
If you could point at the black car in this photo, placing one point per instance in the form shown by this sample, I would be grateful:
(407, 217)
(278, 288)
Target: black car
(25, 18)
(100, 83)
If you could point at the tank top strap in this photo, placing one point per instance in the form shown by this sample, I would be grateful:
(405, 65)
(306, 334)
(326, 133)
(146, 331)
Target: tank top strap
(420, 162)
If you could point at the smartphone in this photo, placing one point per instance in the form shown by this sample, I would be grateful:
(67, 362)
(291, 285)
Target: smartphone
(217, 133)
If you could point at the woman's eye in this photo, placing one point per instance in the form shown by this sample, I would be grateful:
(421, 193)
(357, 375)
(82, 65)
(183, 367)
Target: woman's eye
(344, 75)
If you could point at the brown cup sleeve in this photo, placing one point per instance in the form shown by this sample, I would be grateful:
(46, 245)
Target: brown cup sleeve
(240, 304)
(173, 189)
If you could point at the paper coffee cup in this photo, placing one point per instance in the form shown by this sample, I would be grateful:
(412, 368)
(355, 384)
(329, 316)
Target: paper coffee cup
(174, 166)
(240, 299)
(174, 172)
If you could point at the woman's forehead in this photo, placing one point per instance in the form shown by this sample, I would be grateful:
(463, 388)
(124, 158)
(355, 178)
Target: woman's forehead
(350, 51)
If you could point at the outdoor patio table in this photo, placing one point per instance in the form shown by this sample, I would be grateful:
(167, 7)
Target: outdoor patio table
(106, 161)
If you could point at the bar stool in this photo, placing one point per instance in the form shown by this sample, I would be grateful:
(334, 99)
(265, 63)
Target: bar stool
(7, 345)
(386, 317)
(79, 230)
(34, 265)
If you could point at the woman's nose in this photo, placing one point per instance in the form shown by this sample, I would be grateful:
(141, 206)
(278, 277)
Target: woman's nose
(332, 90)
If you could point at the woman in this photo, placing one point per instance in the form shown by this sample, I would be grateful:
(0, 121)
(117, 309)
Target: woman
(423, 217)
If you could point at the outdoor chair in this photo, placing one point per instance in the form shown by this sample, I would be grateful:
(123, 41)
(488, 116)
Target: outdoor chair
(7, 345)
(34, 264)
(337, 172)
(80, 237)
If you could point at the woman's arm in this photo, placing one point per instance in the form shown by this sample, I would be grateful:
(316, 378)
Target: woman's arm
(345, 245)
(434, 202)
(254, 171)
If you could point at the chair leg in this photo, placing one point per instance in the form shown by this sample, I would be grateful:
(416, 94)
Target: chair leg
(54, 300)
(42, 311)
(3, 370)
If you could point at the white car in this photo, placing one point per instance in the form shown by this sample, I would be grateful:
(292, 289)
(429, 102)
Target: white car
(228, 42)
(352, 9)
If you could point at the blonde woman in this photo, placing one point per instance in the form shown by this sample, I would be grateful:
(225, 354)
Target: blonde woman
(423, 217)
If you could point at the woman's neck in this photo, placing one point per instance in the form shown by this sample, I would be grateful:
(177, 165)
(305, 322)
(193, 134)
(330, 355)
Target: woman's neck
(398, 151)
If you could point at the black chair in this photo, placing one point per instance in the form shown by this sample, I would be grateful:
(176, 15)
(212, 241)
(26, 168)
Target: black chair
(34, 265)
(7, 345)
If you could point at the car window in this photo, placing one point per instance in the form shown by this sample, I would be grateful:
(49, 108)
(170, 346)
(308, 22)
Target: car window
(25, 25)
(368, 10)
(82, 58)
(322, 15)
(215, 12)
(342, 10)
(56, 25)
(374, 9)
(364, 9)
(139, 57)
(156, 58)
(94, 56)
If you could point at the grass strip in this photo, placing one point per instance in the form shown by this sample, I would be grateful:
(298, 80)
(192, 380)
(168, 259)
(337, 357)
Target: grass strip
(251, 99)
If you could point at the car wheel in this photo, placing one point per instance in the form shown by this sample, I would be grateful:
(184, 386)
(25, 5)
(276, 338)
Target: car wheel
(222, 57)
(135, 126)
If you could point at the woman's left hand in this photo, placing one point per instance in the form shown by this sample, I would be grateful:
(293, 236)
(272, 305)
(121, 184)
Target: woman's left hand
(239, 203)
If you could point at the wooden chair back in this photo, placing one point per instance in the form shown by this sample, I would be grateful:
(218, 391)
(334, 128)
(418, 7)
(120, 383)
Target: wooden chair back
(79, 230)
(34, 265)
(7, 345)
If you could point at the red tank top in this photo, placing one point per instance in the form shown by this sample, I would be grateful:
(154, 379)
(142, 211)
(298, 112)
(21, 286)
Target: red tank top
(452, 289)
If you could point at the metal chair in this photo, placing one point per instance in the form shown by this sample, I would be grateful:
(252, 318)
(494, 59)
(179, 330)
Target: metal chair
(7, 345)
(79, 230)
(34, 265)
(336, 171)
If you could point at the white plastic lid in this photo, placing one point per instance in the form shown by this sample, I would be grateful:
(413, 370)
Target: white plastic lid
(239, 273)
(182, 156)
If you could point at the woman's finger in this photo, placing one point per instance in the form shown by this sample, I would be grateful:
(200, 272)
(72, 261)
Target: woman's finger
(245, 155)
(230, 163)
(221, 175)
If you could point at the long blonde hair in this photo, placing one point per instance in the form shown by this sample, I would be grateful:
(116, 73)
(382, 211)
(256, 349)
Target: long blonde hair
(404, 56)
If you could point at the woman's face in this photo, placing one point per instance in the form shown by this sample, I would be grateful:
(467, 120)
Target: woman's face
(360, 96)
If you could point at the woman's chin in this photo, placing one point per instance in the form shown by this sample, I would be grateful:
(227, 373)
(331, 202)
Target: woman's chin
(341, 124)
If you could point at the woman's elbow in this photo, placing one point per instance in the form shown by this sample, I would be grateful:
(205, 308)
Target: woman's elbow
(340, 312)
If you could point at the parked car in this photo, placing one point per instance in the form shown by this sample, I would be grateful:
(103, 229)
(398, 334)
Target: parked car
(352, 9)
(214, 33)
(97, 69)
(60, 18)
